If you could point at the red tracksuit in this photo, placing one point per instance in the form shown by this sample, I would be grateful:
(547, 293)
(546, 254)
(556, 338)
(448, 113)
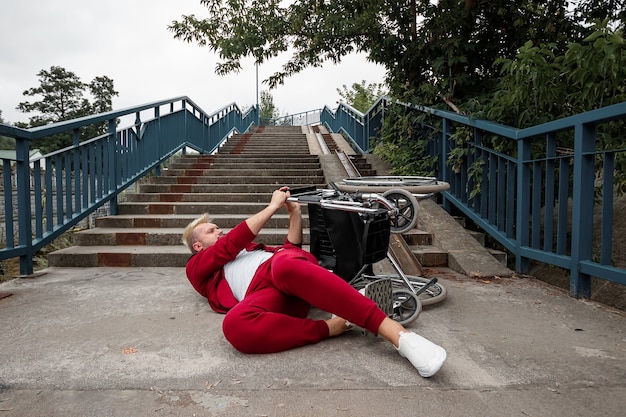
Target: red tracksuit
(272, 317)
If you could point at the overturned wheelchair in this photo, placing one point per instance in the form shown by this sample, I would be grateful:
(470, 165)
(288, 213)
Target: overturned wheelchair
(350, 233)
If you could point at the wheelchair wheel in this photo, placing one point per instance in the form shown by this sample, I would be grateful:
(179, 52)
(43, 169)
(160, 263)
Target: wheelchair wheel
(406, 306)
(406, 203)
(416, 185)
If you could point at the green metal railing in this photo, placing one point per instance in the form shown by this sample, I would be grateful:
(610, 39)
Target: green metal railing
(536, 200)
(45, 197)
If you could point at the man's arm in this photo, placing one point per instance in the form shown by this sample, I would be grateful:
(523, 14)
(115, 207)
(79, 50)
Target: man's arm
(294, 235)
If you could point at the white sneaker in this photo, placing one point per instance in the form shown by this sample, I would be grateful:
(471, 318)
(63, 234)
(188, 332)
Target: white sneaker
(423, 354)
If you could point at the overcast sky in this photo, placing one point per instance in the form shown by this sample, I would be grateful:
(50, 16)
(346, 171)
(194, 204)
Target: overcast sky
(128, 41)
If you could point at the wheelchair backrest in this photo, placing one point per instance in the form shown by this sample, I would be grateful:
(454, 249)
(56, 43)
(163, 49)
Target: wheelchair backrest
(345, 242)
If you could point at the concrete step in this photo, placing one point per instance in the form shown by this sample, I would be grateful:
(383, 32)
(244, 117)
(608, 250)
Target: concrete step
(264, 150)
(268, 138)
(244, 170)
(234, 163)
(273, 155)
(418, 237)
(199, 197)
(180, 221)
(120, 256)
(182, 207)
(285, 147)
(500, 256)
(270, 158)
(218, 188)
(137, 236)
(430, 256)
(268, 141)
(274, 179)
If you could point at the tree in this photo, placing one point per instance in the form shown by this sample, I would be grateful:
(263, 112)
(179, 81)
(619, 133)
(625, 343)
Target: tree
(5, 142)
(435, 54)
(102, 91)
(62, 93)
(361, 96)
(62, 98)
(267, 108)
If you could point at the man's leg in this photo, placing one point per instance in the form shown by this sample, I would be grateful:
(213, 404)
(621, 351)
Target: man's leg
(260, 323)
(296, 272)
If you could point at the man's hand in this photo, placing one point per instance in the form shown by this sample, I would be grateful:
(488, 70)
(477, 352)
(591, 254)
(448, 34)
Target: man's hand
(279, 198)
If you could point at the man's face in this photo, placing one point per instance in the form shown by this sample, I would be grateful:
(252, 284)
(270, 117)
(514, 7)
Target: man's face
(206, 234)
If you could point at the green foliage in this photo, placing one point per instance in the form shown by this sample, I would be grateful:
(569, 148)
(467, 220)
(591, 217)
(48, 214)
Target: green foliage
(529, 91)
(542, 83)
(596, 69)
(267, 108)
(545, 82)
(61, 95)
(439, 53)
(6, 143)
(362, 96)
(404, 143)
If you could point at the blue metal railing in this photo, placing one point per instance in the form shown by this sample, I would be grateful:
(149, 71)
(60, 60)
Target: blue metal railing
(537, 200)
(45, 197)
(306, 118)
(356, 126)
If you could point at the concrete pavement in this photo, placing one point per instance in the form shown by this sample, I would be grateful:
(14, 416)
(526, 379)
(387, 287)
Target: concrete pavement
(141, 342)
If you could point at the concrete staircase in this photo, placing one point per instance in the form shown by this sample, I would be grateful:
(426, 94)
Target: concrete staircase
(234, 184)
(230, 186)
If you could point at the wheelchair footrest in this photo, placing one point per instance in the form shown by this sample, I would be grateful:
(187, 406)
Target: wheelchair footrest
(381, 292)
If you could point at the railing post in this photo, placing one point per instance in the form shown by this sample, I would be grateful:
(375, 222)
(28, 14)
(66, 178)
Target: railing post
(115, 176)
(582, 207)
(445, 173)
(157, 145)
(22, 173)
(366, 133)
(77, 172)
(522, 215)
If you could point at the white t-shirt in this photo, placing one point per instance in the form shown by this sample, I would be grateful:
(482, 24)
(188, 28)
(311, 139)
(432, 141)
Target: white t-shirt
(240, 271)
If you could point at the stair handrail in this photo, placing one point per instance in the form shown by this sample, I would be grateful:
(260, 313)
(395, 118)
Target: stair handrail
(360, 128)
(507, 207)
(43, 197)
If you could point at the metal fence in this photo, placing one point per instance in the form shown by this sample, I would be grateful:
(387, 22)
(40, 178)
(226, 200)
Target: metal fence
(44, 197)
(537, 199)
(307, 118)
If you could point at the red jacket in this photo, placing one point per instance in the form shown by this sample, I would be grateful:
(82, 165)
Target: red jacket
(205, 269)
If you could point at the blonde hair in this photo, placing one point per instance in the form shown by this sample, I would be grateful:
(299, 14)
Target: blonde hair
(189, 236)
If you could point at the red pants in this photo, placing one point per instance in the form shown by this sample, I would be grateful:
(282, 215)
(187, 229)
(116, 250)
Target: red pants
(273, 315)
